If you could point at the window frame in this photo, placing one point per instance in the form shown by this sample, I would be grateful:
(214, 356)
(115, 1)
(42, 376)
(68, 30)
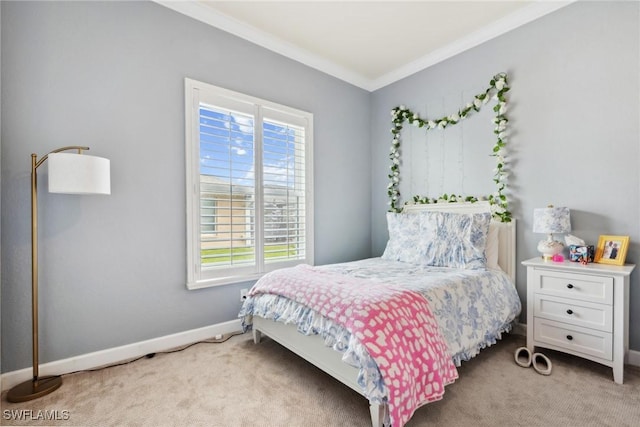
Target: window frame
(195, 92)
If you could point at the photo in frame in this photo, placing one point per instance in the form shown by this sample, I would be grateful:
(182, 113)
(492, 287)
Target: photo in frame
(612, 249)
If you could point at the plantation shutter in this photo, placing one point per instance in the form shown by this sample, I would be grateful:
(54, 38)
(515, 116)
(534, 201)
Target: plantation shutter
(283, 191)
(227, 188)
(249, 186)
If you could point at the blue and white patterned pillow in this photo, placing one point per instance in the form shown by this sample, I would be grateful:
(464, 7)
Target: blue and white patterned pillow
(404, 237)
(438, 239)
(455, 240)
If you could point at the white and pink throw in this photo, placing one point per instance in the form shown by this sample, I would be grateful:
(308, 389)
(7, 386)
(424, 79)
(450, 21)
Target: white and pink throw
(395, 325)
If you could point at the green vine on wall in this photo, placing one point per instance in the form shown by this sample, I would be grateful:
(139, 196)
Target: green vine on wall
(498, 86)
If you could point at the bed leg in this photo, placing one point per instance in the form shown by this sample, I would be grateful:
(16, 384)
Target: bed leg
(379, 415)
(257, 336)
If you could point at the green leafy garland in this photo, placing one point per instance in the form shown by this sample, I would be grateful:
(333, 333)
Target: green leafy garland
(498, 86)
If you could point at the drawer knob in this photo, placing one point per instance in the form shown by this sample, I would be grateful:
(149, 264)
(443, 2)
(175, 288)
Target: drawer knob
(570, 286)
(569, 337)
(569, 311)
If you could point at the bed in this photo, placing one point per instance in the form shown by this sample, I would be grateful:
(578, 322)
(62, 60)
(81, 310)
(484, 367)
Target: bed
(470, 306)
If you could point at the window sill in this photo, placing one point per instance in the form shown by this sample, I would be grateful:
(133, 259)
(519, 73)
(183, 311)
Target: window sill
(222, 281)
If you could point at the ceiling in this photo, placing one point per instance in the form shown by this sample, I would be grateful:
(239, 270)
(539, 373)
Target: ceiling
(367, 43)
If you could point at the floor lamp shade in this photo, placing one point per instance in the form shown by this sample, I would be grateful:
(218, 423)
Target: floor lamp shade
(72, 173)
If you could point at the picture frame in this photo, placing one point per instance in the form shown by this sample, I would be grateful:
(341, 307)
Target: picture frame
(612, 249)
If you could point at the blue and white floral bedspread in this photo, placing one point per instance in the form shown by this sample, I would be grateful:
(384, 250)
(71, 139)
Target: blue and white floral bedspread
(473, 308)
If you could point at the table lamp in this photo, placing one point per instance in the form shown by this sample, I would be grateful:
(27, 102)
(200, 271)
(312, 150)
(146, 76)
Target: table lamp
(551, 220)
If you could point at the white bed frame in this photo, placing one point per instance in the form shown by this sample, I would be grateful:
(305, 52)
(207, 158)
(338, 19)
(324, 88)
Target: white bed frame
(312, 347)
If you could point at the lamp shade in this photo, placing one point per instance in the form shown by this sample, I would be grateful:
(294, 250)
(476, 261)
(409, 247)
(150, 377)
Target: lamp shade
(551, 220)
(72, 173)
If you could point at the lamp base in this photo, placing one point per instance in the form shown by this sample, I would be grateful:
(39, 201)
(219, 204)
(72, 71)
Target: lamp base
(33, 389)
(548, 248)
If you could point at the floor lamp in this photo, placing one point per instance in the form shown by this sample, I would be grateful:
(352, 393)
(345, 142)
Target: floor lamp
(69, 173)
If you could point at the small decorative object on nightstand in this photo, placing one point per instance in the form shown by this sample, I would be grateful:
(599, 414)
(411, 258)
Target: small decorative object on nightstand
(580, 309)
(612, 250)
(551, 220)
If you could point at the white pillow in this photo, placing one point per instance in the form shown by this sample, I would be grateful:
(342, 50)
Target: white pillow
(492, 246)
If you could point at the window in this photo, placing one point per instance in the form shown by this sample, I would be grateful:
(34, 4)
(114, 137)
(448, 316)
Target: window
(249, 186)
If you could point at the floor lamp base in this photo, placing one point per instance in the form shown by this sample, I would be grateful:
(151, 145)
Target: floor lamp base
(31, 389)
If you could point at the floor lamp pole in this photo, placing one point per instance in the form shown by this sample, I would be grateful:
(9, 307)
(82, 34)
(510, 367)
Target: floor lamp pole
(37, 386)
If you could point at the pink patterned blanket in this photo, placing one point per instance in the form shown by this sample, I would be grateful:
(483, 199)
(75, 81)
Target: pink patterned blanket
(395, 325)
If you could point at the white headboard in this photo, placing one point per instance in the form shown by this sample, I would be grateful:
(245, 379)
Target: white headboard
(506, 230)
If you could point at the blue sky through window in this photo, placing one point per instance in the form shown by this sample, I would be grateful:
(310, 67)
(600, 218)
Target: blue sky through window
(227, 146)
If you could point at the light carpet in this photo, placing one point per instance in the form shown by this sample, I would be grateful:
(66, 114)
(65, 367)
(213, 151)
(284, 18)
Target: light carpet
(238, 383)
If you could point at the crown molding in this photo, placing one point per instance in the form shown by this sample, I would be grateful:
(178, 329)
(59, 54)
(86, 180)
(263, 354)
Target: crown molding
(201, 12)
(502, 26)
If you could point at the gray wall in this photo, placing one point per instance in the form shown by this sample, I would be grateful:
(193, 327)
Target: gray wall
(111, 75)
(574, 120)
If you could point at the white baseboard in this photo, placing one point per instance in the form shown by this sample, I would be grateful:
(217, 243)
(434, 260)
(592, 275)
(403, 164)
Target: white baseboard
(118, 354)
(633, 357)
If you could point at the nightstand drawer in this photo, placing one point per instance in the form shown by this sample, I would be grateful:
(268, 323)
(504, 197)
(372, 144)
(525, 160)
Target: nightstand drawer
(575, 312)
(584, 287)
(574, 338)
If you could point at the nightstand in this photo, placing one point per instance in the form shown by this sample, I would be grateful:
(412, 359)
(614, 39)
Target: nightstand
(580, 309)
